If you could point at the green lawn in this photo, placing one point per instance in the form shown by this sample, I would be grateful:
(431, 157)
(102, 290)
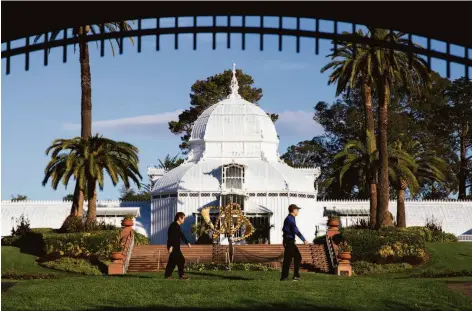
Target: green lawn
(245, 290)
(449, 256)
(12, 259)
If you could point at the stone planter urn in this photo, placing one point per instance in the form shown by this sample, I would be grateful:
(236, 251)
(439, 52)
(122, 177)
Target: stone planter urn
(345, 257)
(127, 223)
(333, 222)
(116, 256)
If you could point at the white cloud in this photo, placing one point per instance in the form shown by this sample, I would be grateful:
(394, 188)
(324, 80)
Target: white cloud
(290, 125)
(297, 123)
(139, 124)
(283, 65)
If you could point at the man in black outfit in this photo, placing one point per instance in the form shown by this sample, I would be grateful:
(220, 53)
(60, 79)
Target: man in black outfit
(290, 230)
(176, 258)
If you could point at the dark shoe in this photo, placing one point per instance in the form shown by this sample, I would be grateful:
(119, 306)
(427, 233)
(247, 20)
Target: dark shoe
(168, 278)
(296, 278)
(184, 277)
(284, 279)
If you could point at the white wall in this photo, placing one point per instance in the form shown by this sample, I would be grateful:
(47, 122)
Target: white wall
(51, 214)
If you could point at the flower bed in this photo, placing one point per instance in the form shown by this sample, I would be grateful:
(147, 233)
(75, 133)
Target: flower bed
(389, 245)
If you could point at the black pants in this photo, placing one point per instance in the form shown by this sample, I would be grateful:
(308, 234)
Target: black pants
(291, 251)
(176, 258)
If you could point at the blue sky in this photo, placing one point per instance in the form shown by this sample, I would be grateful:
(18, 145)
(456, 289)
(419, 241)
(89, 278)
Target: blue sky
(135, 96)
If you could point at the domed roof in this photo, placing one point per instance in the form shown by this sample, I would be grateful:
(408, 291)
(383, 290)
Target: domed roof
(234, 119)
(235, 127)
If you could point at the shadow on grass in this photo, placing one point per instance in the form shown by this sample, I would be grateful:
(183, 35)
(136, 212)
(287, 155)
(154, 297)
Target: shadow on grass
(221, 276)
(252, 306)
(7, 285)
(287, 307)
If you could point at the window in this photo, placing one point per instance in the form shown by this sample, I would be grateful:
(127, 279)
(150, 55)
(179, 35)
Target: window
(233, 176)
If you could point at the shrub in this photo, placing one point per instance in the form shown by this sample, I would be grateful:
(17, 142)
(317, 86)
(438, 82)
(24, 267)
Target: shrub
(140, 239)
(75, 265)
(367, 268)
(99, 244)
(22, 227)
(72, 224)
(10, 241)
(13, 275)
(387, 245)
(128, 217)
(360, 224)
(433, 235)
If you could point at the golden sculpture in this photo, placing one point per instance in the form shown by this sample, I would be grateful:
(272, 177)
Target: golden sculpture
(230, 220)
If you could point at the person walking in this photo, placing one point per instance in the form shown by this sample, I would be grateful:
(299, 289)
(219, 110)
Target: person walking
(176, 258)
(290, 230)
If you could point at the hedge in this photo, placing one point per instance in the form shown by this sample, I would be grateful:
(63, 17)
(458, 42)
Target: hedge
(368, 268)
(388, 245)
(98, 244)
(75, 265)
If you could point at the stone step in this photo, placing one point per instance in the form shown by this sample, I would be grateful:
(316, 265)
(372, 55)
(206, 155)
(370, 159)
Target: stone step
(145, 257)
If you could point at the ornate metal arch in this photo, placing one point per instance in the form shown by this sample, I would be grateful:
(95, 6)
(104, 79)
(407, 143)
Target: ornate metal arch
(281, 31)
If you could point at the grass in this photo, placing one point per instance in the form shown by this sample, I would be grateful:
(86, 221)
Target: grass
(449, 256)
(13, 259)
(246, 290)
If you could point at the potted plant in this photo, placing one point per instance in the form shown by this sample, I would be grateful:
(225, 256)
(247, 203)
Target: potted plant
(344, 251)
(128, 220)
(333, 221)
(117, 248)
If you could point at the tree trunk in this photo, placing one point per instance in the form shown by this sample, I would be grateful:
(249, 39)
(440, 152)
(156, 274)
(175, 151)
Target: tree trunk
(371, 147)
(92, 199)
(77, 208)
(383, 216)
(85, 110)
(463, 164)
(401, 216)
(86, 88)
(373, 205)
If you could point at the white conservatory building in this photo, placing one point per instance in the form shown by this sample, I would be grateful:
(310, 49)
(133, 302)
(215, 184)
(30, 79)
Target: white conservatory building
(233, 156)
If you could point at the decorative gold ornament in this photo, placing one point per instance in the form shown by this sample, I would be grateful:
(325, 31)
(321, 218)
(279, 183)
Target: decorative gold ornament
(230, 220)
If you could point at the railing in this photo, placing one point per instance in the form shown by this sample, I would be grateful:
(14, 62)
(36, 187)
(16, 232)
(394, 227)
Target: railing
(128, 250)
(331, 254)
(465, 238)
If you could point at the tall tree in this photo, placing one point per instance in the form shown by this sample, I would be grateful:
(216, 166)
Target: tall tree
(205, 93)
(19, 197)
(352, 69)
(391, 67)
(170, 163)
(88, 161)
(412, 166)
(459, 112)
(81, 34)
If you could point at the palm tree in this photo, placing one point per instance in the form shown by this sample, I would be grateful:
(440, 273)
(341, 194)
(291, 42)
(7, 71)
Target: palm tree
(88, 161)
(357, 156)
(391, 67)
(413, 165)
(86, 80)
(402, 176)
(352, 68)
